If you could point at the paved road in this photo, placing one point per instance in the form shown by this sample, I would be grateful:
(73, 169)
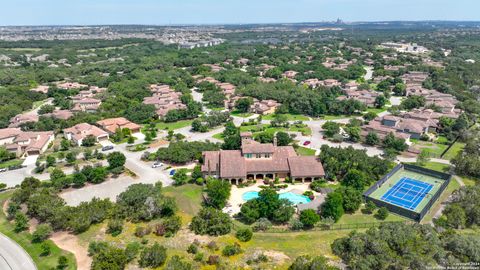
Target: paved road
(13, 256)
(369, 73)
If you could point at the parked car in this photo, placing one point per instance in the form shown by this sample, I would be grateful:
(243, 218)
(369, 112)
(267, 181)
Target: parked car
(172, 172)
(107, 148)
(307, 143)
(3, 169)
(157, 165)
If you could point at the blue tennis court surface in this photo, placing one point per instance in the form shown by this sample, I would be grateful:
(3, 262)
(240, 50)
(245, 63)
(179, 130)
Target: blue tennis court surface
(407, 193)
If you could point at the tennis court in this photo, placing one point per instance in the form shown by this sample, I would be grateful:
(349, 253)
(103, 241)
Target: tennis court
(407, 193)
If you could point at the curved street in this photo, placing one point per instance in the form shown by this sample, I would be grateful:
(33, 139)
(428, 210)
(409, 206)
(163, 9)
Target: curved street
(13, 256)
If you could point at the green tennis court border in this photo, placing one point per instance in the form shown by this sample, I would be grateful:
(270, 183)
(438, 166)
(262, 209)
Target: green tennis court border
(439, 181)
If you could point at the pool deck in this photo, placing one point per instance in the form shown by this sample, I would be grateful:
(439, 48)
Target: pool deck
(236, 200)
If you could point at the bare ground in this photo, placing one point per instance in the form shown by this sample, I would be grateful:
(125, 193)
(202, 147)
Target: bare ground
(70, 243)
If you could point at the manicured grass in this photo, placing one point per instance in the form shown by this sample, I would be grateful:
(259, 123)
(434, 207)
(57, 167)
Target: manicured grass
(359, 217)
(239, 114)
(24, 240)
(437, 166)
(303, 151)
(306, 131)
(13, 162)
(218, 136)
(469, 181)
(290, 117)
(336, 117)
(452, 186)
(435, 150)
(375, 110)
(454, 150)
(188, 197)
(174, 125)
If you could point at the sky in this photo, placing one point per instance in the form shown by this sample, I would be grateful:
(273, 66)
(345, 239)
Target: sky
(171, 12)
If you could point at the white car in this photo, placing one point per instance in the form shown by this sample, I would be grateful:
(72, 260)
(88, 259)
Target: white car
(157, 165)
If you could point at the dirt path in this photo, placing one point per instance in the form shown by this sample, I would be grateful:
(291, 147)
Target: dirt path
(70, 243)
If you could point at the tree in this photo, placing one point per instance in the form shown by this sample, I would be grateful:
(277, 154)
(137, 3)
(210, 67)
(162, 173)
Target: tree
(309, 218)
(153, 256)
(356, 179)
(331, 128)
(283, 138)
(400, 89)
(333, 206)
(79, 179)
(372, 139)
(212, 222)
(116, 160)
(180, 177)
(230, 250)
(243, 105)
(267, 205)
(244, 234)
(140, 113)
(71, 157)
(353, 133)
(62, 262)
(115, 226)
(380, 101)
(109, 257)
(456, 216)
(370, 207)
(423, 157)
(21, 222)
(41, 233)
(352, 198)
(382, 213)
(46, 109)
(89, 141)
(50, 161)
(218, 192)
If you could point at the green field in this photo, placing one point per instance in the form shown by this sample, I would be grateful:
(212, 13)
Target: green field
(435, 150)
(24, 240)
(454, 150)
(174, 125)
(290, 117)
(397, 176)
(303, 151)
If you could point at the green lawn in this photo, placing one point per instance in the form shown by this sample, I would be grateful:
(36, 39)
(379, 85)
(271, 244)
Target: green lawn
(24, 240)
(375, 110)
(188, 198)
(240, 114)
(437, 166)
(454, 150)
(335, 117)
(174, 125)
(13, 162)
(306, 131)
(435, 150)
(218, 136)
(359, 217)
(290, 117)
(303, 151)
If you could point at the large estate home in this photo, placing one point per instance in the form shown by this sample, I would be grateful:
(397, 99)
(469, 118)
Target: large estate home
(164, 99)
(85, 104)
(25, 143)
(407, 125)
(258, 161)
(111, 125)
(23, 118)
(445, 102)
(81, 131)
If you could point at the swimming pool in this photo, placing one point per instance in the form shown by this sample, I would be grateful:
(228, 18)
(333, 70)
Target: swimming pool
(292, 197)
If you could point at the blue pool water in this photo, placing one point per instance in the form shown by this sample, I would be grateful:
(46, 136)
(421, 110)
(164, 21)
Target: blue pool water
(292, 197)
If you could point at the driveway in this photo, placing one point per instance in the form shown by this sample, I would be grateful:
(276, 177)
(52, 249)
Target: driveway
(110, 189)
(13, 256)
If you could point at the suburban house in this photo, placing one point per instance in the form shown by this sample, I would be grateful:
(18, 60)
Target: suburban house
(258, 161)
(414, 77)
(265, 106)
(408, 125)
(79, 132)
(164, 99)
(85, 104)
(366, 97)
(290, 74)
(60, 114)
(111, 125)
(445, 102)
(70, 85)
(25, 143)
(41, 89)
(20, 119)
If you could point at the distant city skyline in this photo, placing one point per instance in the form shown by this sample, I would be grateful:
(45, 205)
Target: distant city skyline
(165, 12)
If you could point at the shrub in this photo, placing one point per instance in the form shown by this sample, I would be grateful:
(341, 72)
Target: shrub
(244, 234)
(212, 222)
(231, 250)
(369, 207)
(115, 227)
(131, 250)
(142, 231)
(178, 263)
(45, 249)
(382, 213)
(262, 224)
(213, 260)
(153, 256)
(295, 224)
(192, 249)
(21, 222)
(42, 233)
(309, 218)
